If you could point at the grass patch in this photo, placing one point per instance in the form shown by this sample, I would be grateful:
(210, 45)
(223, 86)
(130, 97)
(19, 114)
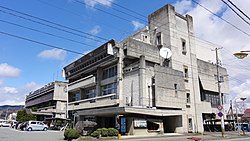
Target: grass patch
(244, 135)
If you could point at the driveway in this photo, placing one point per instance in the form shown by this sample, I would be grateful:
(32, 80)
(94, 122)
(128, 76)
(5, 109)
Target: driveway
(8, 134)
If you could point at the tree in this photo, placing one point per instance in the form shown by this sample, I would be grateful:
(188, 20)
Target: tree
(23, 116)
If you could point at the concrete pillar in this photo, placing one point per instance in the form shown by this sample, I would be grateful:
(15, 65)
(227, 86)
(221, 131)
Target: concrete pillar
(120, 78)
(98, 81)
(130, 126)
(161, 127)
(142, 80)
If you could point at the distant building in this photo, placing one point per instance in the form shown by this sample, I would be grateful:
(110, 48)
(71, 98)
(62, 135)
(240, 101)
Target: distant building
(49, 101)
(12, 116)
(129, 85)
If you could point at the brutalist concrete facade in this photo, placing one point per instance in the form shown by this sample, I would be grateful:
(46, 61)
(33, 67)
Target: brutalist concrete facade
(49, 101)
(129, 86)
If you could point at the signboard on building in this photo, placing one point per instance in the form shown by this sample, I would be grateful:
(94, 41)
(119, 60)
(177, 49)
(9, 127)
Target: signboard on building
(140, 123)
(123, 125)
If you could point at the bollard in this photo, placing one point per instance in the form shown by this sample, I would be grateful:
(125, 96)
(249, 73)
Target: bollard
(118, 136)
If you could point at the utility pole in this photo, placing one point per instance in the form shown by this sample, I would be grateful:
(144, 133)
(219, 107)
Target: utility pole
(220, 95)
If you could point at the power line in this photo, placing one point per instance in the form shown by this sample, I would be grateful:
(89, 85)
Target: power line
(235, 12)
(47, 33)
(221, 18)
(44, 20)
(124, 12)
(81, 2)
(238, 9)
(127, 9)
(41, 43)
(57, 28)
(80, 15)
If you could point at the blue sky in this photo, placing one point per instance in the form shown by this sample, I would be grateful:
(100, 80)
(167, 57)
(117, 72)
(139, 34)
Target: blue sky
(25, 66)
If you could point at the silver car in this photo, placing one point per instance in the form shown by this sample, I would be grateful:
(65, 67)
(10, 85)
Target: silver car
(36, 125)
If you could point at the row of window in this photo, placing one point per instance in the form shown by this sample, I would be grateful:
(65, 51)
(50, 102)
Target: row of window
(213, 99)
(109, 72)
(89, 62)
(91, 93)
(109, 89)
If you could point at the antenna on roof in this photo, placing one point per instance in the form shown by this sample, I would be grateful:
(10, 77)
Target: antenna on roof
(166, 53)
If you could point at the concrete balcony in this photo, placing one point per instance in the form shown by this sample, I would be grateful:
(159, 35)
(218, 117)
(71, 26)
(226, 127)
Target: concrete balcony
(49, 109)
(100, 101)
(86, 81)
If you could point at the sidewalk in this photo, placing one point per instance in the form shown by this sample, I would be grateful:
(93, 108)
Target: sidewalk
(185, 137)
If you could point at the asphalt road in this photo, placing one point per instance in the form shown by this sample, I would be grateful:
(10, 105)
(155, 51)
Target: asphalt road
(8, 134)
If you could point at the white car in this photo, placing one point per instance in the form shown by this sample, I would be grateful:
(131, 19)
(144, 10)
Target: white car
(5, 124)
(36, 125)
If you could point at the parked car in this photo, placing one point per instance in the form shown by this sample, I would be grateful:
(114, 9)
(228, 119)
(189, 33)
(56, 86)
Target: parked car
(13, 124)
(4, 124)
(22, 125)
(35, 125)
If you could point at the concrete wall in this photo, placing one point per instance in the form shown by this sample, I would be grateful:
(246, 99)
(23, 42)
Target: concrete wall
(165, 93)
(131, 88)
(60, 91)
(208, 72)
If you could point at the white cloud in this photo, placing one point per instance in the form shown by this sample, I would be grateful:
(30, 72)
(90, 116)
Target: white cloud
(16, 96)
(1, 82)
(8, 71)
(137, 25)
(95, 30)
(207, 26)
(183, 6)
(8, 90)
(93, 3)
(56, 54)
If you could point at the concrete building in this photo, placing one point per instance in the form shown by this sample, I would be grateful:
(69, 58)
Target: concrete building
(49, 101)
(130, 86)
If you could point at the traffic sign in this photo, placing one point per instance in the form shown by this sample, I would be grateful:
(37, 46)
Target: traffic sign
(220, 114)
(220, 107)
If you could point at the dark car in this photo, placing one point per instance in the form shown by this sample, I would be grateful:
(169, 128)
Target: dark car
(18, 125)
(23, 125)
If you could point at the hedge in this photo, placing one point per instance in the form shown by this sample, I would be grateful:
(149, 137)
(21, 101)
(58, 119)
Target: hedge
(70, 134)
(104, 132)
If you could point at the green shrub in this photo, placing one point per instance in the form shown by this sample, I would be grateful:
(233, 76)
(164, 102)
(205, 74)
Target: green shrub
(70, 134)
(96, 133)
(112, 132)
(104, 132)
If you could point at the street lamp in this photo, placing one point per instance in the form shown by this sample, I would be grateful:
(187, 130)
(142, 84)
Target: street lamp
(242, 54)
(237, 118)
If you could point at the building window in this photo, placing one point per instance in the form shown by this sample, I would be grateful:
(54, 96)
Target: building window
(183, 45)
(221, 79)
(176, 90)
(185, 72)
(214, 99)
(144, 37)
(158, 39)
(190, 124)
(188, 98)
(109, 88)
(90, 93)
(77, 96)
(109, 72)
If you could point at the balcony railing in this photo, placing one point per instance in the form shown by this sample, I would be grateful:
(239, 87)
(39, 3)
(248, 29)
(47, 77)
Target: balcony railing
(106, 100)
(82, 82)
